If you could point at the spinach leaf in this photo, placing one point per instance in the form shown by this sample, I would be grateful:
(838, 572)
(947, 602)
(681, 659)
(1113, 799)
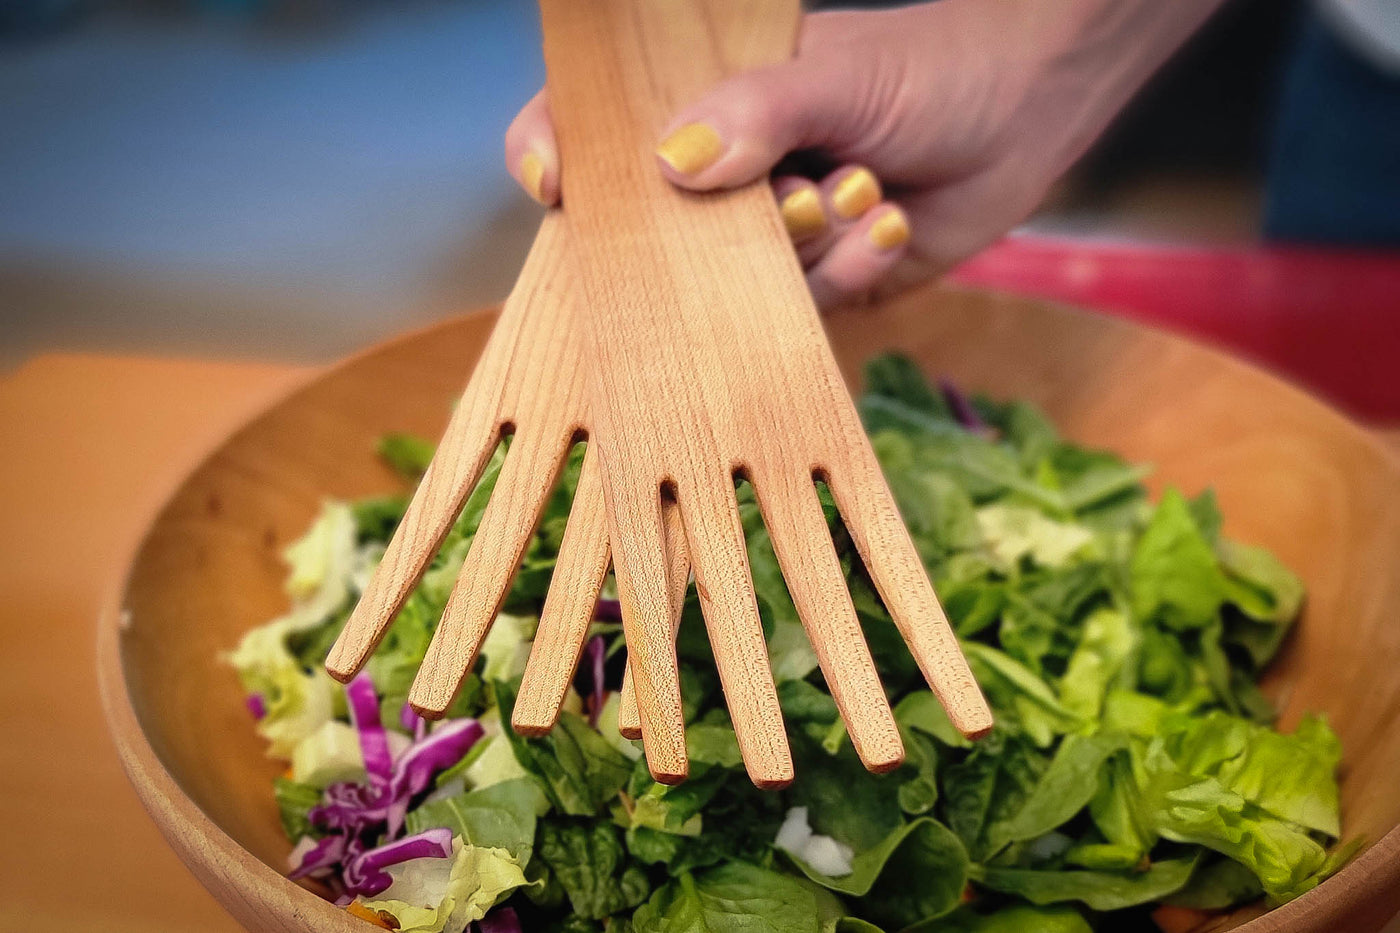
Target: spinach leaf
(588, 860)
(1217, 884)
(922, 712)
(1021, 700)
(575, 766)
(843, 800)
(1099, 890)
(1065, 788)
(737, 897)
(989, 786)
(501, 816)
(1014, 918)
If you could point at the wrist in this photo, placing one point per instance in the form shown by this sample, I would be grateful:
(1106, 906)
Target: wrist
(1088, 58)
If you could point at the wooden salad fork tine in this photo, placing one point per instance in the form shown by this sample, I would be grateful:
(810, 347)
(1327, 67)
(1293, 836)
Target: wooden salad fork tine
(529, 384)
(707, 362)
(629, 719)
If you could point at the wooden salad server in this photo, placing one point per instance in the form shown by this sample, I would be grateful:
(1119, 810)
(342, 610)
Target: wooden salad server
(527, 384)
(707, 363)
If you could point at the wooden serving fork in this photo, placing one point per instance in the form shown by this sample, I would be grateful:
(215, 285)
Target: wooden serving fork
(529, 384)
(708, 362)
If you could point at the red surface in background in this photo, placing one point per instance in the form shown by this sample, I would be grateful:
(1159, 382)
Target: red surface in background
(1329, 320)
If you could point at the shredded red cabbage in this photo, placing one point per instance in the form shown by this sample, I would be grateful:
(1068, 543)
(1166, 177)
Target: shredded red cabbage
(414, 771)
(962, 408)
(355, 815)
(365, 875)
(596, 653)
(326, 854)
(374, 742)
(608, 610)
(256, 705)
(504, 920)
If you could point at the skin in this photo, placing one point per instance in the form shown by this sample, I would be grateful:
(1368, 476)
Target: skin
(966, 111)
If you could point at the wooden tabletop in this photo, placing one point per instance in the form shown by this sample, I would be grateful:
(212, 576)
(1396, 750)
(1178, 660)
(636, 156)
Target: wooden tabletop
(91, 444)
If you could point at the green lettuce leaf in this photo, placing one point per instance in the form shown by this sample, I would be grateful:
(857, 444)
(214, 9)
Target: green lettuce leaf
(1175, 576)
(1200, 810)
(1290, 776)
(408, 454)
(428, 894)
(294, 802)
(1098, 663)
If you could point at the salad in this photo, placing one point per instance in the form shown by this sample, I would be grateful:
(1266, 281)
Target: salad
(1133, 775)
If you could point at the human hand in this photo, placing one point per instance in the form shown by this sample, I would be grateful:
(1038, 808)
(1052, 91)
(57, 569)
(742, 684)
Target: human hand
(942, 124)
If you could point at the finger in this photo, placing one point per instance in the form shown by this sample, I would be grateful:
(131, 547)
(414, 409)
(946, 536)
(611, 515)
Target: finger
(865, 253)
(870, 515)
(738, 131)
(471, 437)
(629, 721)
(802, 207)
(532, 155)
(848, 193)
(639, 566)
(813, 575)
(719, 556)
(568, 609)
(526, 479)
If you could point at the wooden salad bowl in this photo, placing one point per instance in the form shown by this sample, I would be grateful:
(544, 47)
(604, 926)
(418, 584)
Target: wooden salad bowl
(1291, 474)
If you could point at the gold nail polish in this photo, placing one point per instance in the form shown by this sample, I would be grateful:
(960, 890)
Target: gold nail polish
(855, 194)
(803, 214)
(532, 174)
(692, 148)
(889, 231)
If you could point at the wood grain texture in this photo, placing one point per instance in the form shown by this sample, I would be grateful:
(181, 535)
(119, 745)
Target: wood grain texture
(629, 718)
(699, 301)
(1291, 475)
(528, 384)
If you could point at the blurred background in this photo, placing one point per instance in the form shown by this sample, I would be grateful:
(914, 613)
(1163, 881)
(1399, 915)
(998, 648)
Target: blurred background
(293, 179)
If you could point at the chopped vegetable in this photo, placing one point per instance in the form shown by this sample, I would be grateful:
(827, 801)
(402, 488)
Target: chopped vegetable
(1133, 772)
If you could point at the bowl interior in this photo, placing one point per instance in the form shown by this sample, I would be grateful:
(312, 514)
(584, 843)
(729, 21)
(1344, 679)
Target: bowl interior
(1290, 474)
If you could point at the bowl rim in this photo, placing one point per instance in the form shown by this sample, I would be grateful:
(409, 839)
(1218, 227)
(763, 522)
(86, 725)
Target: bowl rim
(218, 861)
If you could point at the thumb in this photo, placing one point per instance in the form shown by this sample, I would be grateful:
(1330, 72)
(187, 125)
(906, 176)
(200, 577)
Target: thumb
(742, 127)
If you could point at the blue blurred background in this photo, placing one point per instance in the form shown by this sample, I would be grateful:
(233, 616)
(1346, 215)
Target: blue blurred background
(284, 179)
(292, 179)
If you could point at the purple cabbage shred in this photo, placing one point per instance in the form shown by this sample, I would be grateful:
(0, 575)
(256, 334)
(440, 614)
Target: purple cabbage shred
(962, 408)
(355, 814)
(365, 875)
(596, 653)
(504, 920)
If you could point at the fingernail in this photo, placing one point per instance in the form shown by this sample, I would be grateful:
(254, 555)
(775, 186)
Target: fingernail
(855, 194)
(692, 148)
(889, 231)
(532, 174)
(803, 214)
